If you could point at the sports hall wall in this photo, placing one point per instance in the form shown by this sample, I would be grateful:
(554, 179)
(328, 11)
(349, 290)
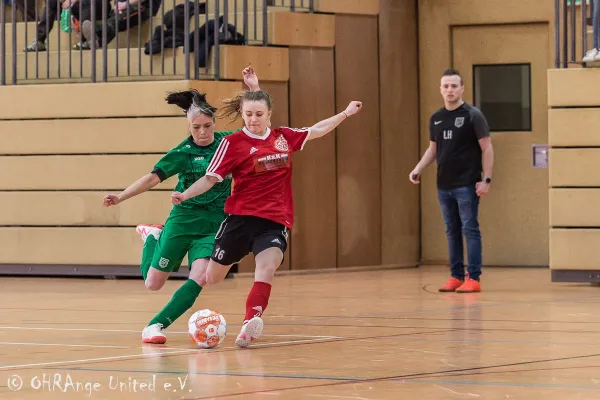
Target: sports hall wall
(461, 34)
(353, 206)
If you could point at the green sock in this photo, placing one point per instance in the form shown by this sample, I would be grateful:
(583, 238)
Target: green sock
(183, 299)
(147, 255)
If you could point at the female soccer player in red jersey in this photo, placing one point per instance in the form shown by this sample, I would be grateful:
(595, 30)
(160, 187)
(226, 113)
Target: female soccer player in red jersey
(261, 206)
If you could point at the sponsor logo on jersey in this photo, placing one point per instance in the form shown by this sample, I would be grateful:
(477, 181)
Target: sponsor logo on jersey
(459, 121)
(274, 161)
(198, 158)
(253, 150)
(281, 144)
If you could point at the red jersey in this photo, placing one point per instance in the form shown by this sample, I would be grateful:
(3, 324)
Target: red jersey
(261, 167)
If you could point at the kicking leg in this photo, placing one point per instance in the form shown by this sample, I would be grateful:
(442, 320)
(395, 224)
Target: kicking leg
(170, 249)
(183, 299)
(267, 263)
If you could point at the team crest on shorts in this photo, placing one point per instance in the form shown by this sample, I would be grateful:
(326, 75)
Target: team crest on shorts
(459, 121)
(281, 144)
(163, 262)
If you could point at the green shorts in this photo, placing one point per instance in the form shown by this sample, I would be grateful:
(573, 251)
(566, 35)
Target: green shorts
(186, 231)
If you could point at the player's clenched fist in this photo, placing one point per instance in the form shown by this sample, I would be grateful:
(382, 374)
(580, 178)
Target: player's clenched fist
(177, 198)
(353, 108)
(111, 200)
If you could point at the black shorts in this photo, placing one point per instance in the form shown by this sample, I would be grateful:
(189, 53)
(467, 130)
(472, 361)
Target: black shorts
(242, 234)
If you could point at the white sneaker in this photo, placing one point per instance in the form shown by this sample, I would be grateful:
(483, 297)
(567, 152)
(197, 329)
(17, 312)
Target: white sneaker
(145, 230)
(250, 330)
(590, 55)
(153, 334)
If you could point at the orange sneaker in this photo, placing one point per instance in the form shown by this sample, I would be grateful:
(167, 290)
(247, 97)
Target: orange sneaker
(470, 286)
(451, 285)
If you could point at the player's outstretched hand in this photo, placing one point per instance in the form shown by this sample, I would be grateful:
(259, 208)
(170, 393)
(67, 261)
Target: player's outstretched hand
(353, 108)
(111, 200)
(177, 198)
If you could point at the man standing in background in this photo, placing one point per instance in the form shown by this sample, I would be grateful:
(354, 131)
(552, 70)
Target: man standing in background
(460, 142)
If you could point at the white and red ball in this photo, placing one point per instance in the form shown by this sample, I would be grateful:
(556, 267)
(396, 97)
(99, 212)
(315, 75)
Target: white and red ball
(207, 328)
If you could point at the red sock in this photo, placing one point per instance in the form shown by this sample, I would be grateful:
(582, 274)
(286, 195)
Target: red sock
(257, 301)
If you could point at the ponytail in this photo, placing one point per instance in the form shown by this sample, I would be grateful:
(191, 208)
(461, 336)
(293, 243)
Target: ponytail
(192, 103)
(232, 108)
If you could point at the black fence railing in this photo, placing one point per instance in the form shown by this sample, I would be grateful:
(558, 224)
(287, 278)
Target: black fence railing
(574, 19)
(111, 40)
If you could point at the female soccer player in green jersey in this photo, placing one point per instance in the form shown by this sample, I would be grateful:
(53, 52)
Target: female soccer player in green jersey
(192, 225)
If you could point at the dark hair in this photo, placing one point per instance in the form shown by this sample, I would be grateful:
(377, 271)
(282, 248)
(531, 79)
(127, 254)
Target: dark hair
(453, 72)
(186, 99)
(233, 107)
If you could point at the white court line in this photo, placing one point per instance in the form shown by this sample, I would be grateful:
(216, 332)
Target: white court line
(143, 355)
(290, 342)
(37, 328)
(64, 344)
(133, 356)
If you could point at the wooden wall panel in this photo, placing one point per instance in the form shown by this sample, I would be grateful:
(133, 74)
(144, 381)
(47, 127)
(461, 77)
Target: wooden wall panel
(574, 207)
(89, 136)
(279, 93)
(126, 99)
(91, 246)
(77, 172)
(363, 7)
(312, 99)
(573, 127)
(574, 249)
(98, 136)
(358, 142)
(300, 29)
(570, 87)
(398, 68)
(574, 167)
(82, 208)
(270, 63)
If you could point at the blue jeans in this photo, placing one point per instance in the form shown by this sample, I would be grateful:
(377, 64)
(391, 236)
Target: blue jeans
(595, 22)
(460, 207)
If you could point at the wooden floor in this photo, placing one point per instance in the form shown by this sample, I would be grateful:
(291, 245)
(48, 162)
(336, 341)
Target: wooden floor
(361, 335)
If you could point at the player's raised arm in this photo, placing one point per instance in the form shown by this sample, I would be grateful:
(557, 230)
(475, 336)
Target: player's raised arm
(142, 185)
(250, 79)
(324, 127)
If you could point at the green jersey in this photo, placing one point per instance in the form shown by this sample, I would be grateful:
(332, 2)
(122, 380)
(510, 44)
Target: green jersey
(190, 162)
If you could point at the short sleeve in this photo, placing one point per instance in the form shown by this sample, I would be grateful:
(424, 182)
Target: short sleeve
(223, 161)
(296, 138)
(480, 125)
(431, 132)
(170, 164)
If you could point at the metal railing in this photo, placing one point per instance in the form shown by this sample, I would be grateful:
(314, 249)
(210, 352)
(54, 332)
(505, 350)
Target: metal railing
(96, 40)
(567, 34)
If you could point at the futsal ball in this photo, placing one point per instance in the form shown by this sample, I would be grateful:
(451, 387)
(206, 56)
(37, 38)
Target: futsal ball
(207, 328)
